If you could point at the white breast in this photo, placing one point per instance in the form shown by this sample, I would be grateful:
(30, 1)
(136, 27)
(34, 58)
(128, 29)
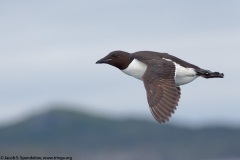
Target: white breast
(136, 69)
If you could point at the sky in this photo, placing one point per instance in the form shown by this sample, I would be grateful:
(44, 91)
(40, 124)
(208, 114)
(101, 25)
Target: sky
(48, 51)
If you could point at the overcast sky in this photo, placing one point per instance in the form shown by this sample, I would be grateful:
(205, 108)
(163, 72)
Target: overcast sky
(48, 51)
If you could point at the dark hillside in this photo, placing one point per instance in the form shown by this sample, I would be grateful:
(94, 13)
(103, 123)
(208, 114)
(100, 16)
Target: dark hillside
(82, 136)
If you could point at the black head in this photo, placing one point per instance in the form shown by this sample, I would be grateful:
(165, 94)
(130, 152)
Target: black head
(119, 59)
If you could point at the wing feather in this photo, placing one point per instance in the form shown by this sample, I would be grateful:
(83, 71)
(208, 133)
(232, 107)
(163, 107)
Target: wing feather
(162, 93)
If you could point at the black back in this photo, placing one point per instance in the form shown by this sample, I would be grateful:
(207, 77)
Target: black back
(149, 55)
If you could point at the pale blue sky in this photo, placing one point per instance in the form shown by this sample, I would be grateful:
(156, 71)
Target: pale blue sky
(49, 49)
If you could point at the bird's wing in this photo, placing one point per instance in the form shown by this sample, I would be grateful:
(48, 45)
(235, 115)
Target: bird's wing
(162, 93)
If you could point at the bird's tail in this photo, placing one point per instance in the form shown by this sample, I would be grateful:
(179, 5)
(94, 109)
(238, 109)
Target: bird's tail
(208, 74)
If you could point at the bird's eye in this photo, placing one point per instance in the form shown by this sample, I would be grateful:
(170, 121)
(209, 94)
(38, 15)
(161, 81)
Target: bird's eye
(114, 55)
(207, 73)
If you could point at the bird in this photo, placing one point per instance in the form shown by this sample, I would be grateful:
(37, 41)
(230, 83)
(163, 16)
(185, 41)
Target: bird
(162, 75)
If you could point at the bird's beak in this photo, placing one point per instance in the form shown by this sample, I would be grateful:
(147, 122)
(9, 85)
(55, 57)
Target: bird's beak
(100, 61)
(103, 60)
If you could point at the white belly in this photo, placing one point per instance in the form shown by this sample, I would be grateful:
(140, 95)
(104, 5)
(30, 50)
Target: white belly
(184, 75)
(136, 69)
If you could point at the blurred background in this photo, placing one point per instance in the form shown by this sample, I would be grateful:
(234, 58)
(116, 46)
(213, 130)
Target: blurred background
(56, 101)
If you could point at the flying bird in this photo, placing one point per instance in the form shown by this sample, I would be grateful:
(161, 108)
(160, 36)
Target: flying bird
(162, 75)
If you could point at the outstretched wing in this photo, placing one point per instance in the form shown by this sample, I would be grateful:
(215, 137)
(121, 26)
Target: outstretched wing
(162, 93)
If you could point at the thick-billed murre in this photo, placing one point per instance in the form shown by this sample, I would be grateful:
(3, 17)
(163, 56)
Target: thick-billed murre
(162, 74)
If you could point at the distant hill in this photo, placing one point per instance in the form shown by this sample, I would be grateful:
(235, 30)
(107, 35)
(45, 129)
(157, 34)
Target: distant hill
(87, 137)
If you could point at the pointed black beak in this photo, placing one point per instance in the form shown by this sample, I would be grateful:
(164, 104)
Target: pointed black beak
(103, 60)
(99, 61)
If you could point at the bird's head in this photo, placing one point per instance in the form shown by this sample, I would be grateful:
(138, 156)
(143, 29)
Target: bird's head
(118, 59)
